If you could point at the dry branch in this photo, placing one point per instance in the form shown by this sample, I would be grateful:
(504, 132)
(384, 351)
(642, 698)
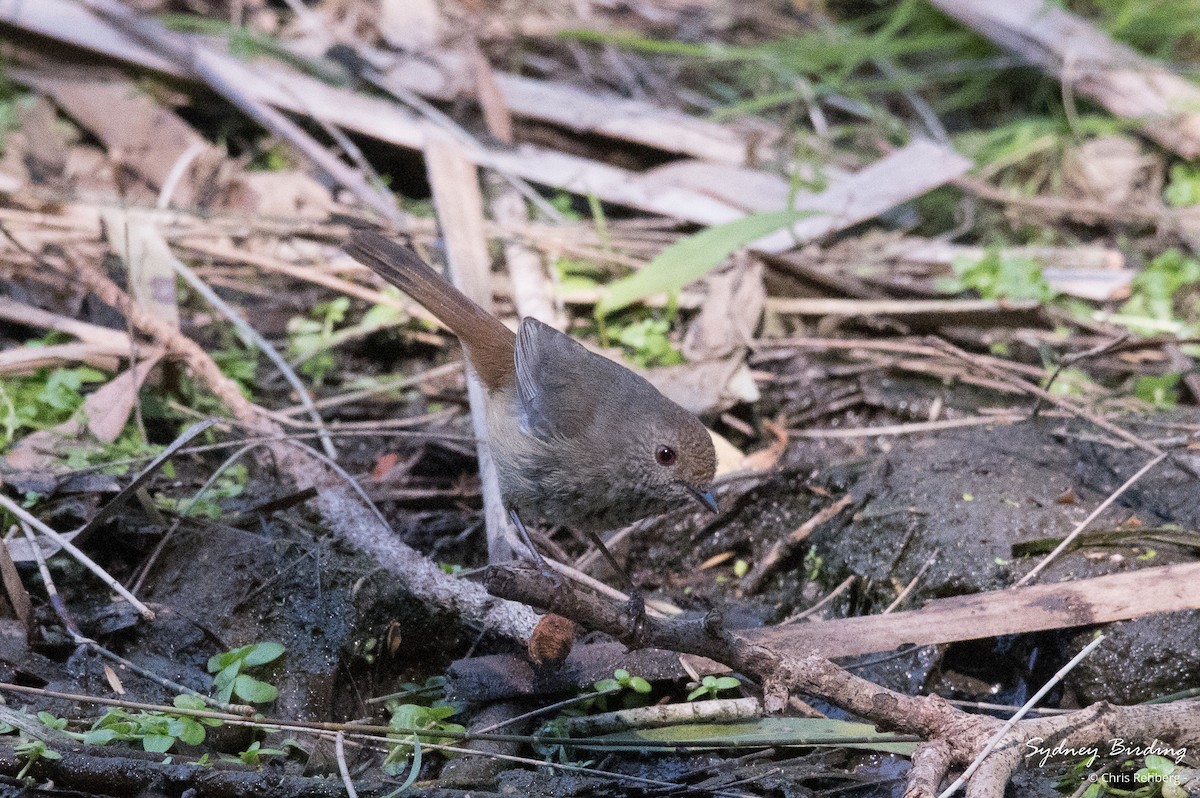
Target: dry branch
(1101, 599)
(783, 670)
(1073, 50)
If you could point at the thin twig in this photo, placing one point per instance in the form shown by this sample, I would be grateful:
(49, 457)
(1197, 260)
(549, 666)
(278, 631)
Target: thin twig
(546, 710)
(56, 602)
(837, 591)
(339, 748)
(383, 386)
(23, 515)
(253, 338)
(1069, 539)
(911, 428)
(912, 583)
(1070, 360)
(1003, 730)
(784, 547)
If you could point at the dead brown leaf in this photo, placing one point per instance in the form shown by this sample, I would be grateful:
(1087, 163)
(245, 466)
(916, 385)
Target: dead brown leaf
(768, 457)
(107, 409)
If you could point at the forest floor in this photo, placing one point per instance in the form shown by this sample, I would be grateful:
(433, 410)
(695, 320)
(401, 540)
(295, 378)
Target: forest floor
(928, 272)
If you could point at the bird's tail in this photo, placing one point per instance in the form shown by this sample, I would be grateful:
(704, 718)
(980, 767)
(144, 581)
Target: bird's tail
(488, 343)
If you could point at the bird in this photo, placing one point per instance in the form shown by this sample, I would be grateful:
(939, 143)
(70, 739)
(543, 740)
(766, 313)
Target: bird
(577, 439)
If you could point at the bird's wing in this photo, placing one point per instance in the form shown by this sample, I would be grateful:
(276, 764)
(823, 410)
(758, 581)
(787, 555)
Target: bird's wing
(558, 381)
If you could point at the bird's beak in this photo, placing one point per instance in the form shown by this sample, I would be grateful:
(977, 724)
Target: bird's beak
(706, 498)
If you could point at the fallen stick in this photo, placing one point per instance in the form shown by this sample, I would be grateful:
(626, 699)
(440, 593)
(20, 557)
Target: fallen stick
(920, 313)
(1102, 599)
(952, 737)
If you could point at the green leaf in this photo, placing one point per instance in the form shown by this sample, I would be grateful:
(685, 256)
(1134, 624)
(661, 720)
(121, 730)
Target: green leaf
(648, 342)
(770, 731)
(640, 685)
(699, 691)
(224, 680)
(189, 701)
(219, 662)
(606, 686)
(262, 653)
(692, 258)
(1183, 190)
(250, 689)
(728, 683)
(52, 722)
(157, 743)
(1160, 765)
(409, 716)
(100, 736)
(191, 732)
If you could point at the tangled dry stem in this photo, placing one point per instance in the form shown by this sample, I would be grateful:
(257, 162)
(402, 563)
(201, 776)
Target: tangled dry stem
(952, 737)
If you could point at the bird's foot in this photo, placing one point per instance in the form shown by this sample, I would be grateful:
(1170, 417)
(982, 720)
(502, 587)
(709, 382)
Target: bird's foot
(635, 610)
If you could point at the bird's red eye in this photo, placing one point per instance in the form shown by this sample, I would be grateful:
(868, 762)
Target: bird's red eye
(665, 456)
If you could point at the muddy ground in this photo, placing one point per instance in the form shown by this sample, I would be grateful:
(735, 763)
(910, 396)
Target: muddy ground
(972, 502)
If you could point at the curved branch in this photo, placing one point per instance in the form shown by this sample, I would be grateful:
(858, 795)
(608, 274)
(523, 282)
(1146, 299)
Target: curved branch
(953, 737)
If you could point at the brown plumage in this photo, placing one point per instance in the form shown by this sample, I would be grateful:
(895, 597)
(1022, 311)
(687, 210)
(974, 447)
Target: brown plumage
(577, 438)
(488, 342)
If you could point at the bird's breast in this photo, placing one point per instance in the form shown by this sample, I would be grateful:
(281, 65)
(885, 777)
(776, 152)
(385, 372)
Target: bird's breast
(557, 481)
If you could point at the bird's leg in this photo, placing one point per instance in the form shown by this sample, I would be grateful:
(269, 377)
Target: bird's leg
(637, 604)
(542, 565)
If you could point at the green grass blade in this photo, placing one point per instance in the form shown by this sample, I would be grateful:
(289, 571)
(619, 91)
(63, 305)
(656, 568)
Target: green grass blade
(692, 258)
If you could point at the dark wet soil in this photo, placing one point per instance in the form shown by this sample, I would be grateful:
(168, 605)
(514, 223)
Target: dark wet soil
(973, 503)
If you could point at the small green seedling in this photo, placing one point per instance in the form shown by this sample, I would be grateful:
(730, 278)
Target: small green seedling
(253, 755)
(622, 680)
(636, 691)
(711, 685)
(647, 342)
(230, 681)
(156, 731)
(32, 750)
(1162, 773)
(429, 720)
(309, 337)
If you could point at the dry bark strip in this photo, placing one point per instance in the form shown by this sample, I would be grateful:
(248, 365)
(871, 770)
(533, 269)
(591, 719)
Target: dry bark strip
(899, 177)
(953, 737)
(439, 76)
(459, 204)
(921, 314)
(1102, 599)
(1084, 58)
